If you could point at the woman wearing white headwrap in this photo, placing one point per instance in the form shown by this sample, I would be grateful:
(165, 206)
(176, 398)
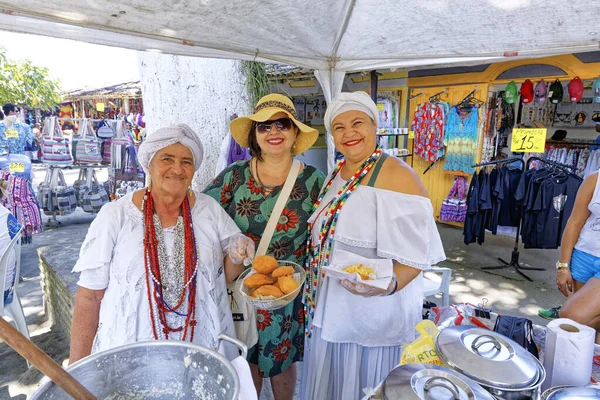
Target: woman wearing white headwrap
(373, 210)
(154, 265)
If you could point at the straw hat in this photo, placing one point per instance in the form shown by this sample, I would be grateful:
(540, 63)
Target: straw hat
(268, 106)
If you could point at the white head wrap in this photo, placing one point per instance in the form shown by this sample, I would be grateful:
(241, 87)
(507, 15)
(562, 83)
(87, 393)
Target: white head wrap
(165, 137)
(356, 101)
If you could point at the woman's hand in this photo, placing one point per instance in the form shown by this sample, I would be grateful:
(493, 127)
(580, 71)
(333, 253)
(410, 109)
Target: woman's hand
(360, 289)
(241, 249)
(564, 281)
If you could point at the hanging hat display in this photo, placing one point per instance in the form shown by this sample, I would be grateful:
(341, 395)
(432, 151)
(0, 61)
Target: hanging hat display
(576, 89)
(556, 92)
(541, 92)
(527, 92)
(597, 91)
(510, 93)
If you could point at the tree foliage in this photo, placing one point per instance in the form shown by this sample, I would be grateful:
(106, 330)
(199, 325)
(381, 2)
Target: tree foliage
(23, 83)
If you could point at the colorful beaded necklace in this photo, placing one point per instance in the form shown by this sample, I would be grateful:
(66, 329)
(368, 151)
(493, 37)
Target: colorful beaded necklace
(159, 309)
(318, 256)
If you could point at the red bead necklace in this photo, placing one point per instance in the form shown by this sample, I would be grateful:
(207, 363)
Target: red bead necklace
(156, 299)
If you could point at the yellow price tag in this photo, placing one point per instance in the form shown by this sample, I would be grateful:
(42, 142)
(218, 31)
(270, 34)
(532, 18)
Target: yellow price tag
(411, 134)
(100, 107)
(528, 140)
(16, 167)
(380, 106)
(12, 133)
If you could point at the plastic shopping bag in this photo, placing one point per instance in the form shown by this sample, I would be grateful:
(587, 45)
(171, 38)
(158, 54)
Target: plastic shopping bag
(422, 350)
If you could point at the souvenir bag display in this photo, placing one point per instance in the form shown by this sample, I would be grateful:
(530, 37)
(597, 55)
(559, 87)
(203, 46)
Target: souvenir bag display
(105, 131)
(16, 164)
(87, 150)
(54, 196)
(92, 195)
(106, 151)
(454, 207)
(55, 147)
(129, 175)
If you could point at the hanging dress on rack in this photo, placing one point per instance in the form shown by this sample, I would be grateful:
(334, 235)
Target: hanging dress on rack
(461, 140)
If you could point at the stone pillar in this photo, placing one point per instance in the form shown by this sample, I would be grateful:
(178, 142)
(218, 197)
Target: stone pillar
(200, 92)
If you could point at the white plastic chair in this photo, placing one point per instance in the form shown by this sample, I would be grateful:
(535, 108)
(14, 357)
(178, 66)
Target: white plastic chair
(434, 287)
(14, 309)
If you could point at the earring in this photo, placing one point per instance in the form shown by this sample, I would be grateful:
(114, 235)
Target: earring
(149, 184)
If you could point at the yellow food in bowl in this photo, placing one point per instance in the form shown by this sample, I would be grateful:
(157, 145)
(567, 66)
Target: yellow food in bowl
(365, 273)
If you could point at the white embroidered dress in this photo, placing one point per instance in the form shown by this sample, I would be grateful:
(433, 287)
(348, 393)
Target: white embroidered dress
(112, 258)
(358, 340)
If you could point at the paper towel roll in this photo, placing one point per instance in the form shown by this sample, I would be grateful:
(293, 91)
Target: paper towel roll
(568, 354)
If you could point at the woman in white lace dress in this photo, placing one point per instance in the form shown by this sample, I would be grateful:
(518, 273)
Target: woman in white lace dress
(372, 207)
(154, 265)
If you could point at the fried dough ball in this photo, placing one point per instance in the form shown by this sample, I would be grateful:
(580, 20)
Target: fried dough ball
(287, 284)
(257, 280)
(283, 271)
(266, 291)
(264, 264)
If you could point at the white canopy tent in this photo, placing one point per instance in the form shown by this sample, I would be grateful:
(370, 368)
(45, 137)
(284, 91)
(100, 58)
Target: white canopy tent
(333, 37)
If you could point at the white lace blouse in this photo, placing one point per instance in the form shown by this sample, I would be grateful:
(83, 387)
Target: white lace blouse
(112, 258)
(376, 223)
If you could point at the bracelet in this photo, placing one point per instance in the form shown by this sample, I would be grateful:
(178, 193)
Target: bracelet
(565, 269)
(395, 288)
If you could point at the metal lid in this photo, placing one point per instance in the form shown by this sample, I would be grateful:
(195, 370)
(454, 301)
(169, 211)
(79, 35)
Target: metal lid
(488, 358)
(426, 381)
(571, 393)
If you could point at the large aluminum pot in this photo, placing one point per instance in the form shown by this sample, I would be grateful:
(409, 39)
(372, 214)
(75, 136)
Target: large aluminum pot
(497, 363)
(430, 382)
(159, 369)
(571, 393)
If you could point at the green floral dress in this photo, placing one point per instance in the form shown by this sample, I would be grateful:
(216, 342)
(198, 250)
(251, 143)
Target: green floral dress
(280, 332)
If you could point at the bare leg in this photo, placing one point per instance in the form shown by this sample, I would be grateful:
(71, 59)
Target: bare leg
(583, 306)
(284, 384)
(258, 380)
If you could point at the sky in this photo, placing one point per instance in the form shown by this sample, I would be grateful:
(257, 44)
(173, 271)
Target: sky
(75, 64)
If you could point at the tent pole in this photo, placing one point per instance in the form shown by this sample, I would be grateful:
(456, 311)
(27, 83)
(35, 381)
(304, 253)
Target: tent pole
(374, 82)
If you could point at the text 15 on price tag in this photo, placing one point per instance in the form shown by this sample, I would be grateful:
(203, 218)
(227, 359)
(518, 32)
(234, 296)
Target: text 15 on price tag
(411, 134)
(12, 133)
(16, 167)
(528, 140)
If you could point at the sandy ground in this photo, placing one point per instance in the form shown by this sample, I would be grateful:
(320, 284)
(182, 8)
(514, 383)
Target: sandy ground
(505, 291)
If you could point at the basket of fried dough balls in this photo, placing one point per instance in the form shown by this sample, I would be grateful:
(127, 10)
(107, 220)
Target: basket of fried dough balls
(271, 284)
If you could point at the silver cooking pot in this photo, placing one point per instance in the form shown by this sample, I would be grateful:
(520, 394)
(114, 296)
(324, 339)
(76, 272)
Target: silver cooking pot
(160, 369)
(497, 363)
(430, 382)
(571, 393)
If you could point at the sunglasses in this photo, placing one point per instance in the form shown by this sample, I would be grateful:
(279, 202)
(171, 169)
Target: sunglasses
(282, 124)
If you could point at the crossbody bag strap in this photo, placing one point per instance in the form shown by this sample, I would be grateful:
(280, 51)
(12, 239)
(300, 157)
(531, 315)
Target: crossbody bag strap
(267, 235)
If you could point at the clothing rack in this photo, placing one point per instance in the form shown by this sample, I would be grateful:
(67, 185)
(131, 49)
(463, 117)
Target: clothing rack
(514, 258)
(416, 95)
(81, 119)
(548, 162)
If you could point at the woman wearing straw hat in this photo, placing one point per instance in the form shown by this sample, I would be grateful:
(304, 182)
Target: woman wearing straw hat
(249, 192)
(373, 210)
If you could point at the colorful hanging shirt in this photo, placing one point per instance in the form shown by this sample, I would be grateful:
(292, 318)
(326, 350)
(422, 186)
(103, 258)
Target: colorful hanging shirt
(280, 332)
(461, 140)
(428, 125)
(16, 138)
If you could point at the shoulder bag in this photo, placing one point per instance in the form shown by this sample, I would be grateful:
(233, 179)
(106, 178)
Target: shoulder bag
(55, 147)
(87, 150)
(244, 315)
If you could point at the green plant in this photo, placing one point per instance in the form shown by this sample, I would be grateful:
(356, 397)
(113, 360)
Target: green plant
(257, 81)
(23, 83)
